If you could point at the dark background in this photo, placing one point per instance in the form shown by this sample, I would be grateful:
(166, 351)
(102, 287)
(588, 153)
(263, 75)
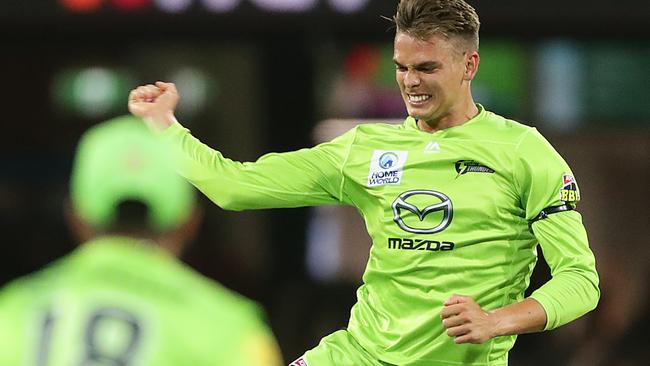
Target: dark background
(269, 66)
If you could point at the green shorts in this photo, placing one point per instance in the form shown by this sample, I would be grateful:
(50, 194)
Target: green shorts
(338, 349)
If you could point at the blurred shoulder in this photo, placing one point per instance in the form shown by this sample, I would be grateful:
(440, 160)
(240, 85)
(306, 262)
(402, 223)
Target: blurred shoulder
(225, 302)
(34, 285)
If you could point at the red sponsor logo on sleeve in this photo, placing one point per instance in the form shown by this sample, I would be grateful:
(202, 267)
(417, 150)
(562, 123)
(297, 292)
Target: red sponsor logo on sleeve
(568, 179)
(299, 362)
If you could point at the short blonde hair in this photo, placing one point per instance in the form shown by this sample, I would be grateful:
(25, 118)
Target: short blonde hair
(447, 18)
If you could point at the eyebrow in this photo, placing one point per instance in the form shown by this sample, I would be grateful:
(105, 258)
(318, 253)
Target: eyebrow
(427, 64)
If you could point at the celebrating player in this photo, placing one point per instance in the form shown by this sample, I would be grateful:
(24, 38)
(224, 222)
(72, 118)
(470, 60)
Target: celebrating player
(123, 298)
(456, 200)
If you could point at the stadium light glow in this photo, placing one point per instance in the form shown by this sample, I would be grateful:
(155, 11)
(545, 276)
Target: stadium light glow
(192, 83)
(220, 6)
(285, 5)
(81, 5)
(560, 84)
(173, 6)
(95, 91)
(90, 92)
(130, 4)
(348, 6)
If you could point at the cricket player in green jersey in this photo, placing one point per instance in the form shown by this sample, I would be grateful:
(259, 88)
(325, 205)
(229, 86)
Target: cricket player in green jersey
(123, 298)
(456, 201)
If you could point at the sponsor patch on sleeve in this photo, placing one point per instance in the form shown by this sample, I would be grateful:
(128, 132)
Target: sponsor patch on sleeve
(299, 362)
(569, 192)
(386, 167)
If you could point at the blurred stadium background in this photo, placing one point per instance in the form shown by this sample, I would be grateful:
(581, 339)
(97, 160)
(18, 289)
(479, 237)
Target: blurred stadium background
(270, 75)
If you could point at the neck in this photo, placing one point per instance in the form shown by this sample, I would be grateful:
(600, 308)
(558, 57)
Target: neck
(454, 117)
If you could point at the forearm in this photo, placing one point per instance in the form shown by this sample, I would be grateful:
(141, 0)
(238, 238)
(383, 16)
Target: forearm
(467, 322)
(567, 296)
(276, 180)
(526, 316)
(194, 160)
(573, 289)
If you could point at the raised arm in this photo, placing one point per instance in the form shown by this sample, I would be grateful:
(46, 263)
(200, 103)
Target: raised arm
(304, 177)
(155, 104)
(299, 178)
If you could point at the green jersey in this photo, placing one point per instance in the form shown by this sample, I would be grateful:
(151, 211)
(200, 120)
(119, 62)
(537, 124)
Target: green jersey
(115, 301)
(448, 212)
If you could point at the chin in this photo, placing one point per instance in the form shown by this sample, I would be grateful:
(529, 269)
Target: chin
(417, 114)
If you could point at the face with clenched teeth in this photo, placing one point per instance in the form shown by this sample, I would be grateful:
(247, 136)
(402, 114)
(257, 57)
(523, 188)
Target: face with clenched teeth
(431, 75)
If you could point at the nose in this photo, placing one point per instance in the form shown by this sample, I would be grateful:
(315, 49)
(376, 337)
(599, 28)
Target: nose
(411, 79)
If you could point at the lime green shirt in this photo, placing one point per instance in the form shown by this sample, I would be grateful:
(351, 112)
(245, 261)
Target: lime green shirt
(448, 212)
(115, 301)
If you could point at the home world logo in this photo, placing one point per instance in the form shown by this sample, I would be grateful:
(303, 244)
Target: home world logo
(386, 167)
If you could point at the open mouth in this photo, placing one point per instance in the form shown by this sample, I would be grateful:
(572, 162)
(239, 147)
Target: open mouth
(418, 98)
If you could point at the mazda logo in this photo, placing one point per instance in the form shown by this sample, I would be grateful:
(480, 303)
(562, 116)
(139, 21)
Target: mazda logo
(442, 203)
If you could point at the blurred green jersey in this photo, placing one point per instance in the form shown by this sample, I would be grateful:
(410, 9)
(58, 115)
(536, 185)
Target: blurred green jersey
(449, 212)
(116, 301)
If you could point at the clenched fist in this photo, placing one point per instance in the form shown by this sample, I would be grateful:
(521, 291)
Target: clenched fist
(466, 322)
(155, 104)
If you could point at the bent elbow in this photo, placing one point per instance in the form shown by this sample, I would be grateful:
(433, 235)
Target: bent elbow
(229, 203)
(225, 199)
(595, 296)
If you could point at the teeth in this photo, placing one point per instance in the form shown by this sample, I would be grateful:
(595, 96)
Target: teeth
(419, 98)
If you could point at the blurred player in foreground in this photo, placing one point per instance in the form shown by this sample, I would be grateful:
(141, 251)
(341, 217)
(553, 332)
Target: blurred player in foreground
(455, 200)
(123, 298)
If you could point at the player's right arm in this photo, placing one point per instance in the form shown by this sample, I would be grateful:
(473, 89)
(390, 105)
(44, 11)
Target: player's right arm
(155, 104)
(299, 178)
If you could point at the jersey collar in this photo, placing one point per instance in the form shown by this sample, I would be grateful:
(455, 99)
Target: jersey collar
(411, 123)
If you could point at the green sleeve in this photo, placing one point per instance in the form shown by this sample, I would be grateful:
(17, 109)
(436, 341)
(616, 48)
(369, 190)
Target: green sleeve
(539, 172)
(542, 177)
(299, 178)
(573, 288)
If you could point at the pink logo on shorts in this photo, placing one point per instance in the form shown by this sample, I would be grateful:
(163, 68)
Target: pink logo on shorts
(299, 362)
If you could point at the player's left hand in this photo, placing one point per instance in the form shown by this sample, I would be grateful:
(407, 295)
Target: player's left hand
(466, 321)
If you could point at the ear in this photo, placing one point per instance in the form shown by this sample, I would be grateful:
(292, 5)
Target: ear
(472, 59)
(81, 231)
(179, 238)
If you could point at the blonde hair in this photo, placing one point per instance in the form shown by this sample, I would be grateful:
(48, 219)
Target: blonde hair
(447, 18)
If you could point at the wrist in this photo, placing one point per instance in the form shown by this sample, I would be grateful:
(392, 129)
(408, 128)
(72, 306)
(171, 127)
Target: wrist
(498, 323)
(159, 123)
(526, 316)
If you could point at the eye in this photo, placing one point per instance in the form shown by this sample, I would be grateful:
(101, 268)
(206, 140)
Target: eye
(428, 69)
(400, 68)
